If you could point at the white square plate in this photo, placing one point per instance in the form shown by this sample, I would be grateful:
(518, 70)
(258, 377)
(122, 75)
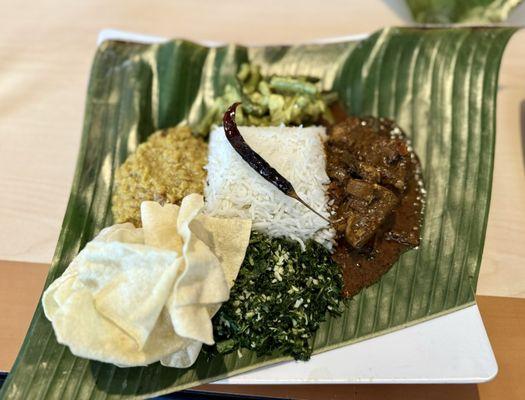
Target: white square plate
(450, 349)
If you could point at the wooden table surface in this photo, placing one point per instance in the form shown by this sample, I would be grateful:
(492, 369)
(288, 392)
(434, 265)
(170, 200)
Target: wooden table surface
(46, 50)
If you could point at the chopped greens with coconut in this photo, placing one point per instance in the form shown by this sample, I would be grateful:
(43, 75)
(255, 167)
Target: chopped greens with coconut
(280, 297)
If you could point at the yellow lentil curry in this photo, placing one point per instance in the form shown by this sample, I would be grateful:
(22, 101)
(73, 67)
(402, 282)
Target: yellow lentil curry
(167, 167)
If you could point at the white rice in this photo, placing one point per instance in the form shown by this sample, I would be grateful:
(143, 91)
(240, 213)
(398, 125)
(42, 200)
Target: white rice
(234, 189)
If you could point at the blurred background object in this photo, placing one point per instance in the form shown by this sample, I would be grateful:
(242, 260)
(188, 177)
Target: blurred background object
(461, 11)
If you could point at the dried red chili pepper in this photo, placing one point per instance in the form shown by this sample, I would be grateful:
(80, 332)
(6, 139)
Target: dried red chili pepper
(254, 160)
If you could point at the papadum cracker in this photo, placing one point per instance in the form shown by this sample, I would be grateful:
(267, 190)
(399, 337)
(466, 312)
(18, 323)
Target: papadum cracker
(134, 296)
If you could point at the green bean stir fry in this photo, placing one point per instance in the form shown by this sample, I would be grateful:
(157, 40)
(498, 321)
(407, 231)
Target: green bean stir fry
(271, 101)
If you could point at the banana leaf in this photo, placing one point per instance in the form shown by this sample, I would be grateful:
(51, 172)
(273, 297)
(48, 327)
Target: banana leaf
(464, 11)
(439, 84)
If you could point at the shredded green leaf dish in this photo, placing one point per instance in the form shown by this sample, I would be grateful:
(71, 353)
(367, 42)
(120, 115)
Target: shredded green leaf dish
(281, 295)
(271, 101)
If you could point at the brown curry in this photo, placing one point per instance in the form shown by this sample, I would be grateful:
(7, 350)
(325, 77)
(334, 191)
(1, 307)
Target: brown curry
(376, 195)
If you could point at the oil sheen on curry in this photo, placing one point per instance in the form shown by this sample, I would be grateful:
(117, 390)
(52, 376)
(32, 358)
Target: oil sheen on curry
(376, 194)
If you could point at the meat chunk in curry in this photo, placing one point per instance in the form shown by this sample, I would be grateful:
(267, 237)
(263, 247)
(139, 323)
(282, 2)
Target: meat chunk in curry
(376, 195)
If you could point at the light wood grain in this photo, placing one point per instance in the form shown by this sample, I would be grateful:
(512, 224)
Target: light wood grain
(46, 49)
